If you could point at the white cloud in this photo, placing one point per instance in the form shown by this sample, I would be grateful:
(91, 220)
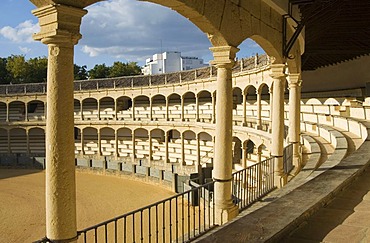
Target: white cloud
(24, 49)
(21, 33)
(134, 30)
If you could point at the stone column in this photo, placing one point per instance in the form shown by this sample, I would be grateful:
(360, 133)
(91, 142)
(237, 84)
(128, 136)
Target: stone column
(167, 104)
(222, 172)
(81, 110)
(182, 162)
(197, 108)
(166, 147)
(271, 107)
(26, 111)
(151, 109)
(150, 148)
(116, 144)
(244, 155)
(28, 141)
(133, 109)
(182, 109)
(115, 109)
(213, 107)
(99, 109)
(294, 83)
(244, 109)
(99, 142)
(133, 146)
(82, 142)
(278, 76)
(259, 110)
(60, 26)
(7, 112)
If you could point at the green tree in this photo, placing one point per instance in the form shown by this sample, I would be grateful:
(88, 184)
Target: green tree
(37, 70)
(124, 69)
(80, 72)
(4, 74)
(99, 71)
(18, 68)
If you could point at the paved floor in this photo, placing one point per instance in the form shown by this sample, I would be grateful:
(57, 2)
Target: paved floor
(345, 219)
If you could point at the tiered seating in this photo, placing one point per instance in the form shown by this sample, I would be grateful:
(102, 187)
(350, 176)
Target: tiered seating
(37, 144)
(3, 141)
(38, 114)
(18, 141)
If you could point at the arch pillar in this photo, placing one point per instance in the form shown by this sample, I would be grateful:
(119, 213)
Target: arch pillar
(271, 107)
(294, 82)
(82, 142)
(60, 36)
(7, 112)
(224, 58)
(166, 159)
(259, 110)
(98, 109)
(26, 111)
(151, 109)
(99, 142)
(182, 108)
(28, 141)
(278, 76)
(116, 151)
(244, 108)
(199, 165)
(133, 147)
(213, 107)
(81, 110)
(167, 104)
(197, 108)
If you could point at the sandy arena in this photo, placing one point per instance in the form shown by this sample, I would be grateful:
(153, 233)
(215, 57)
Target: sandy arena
(99, 197)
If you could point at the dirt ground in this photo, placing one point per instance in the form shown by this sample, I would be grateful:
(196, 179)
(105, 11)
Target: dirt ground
(99, 197)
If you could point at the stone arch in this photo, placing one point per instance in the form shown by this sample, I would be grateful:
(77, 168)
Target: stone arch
(190, 147)
(107, 141)
(189, 100)
(90, 108)
(36, 110)
(141, 107)
(158, 144)
(205, 105)
(107, 108)
(18, 141)
(3, 108)
(174, 107)
(158, 107)
(141, 143)
(77, 108)
(36, 138)
(3, 141)
(124, 108)
(17, 111)
(237, 150)
(90, 138)
(206, 148)
(124, 137)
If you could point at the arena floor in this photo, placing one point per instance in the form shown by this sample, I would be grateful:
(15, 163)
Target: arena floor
(99, 197)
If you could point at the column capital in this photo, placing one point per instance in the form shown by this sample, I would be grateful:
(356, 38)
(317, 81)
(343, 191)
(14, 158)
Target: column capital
(224, 55)
(294, 80)
(59, 24)
(277, 71)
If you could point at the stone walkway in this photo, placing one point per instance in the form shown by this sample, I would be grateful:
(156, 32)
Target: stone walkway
(345, 219)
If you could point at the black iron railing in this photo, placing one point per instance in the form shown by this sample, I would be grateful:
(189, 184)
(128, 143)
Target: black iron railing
(253, 182)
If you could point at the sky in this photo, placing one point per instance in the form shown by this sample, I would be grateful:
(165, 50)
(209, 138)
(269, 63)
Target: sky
(115, 30)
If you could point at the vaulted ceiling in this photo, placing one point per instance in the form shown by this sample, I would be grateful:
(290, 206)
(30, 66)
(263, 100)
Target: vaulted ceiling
(335, 31)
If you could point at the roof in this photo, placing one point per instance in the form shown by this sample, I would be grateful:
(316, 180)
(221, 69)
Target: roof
(335, 31)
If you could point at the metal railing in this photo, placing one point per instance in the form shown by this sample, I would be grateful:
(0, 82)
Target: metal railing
(288, 159)
(180, 218)
(253, 182)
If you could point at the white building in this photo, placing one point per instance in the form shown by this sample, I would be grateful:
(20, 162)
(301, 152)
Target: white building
(170, 61)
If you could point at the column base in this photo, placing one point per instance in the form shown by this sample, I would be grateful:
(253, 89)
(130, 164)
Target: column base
(222, 216)
(280, 180)
(297, 163)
